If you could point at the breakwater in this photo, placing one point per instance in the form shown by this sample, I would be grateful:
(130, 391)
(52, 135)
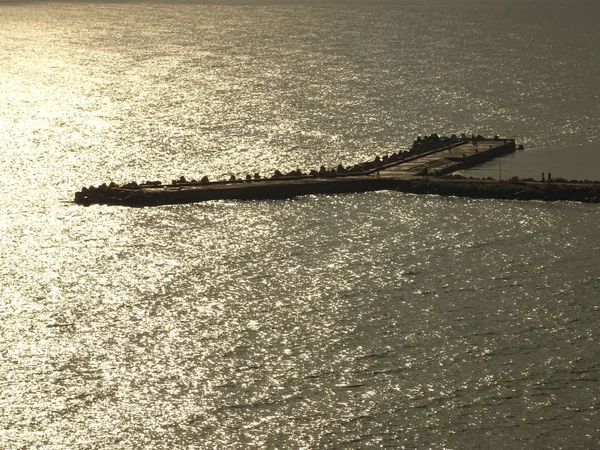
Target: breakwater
(474, 188)
(424, 169)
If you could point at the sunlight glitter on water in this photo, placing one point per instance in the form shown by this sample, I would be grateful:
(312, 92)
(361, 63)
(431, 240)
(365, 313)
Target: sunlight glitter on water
(355, 320)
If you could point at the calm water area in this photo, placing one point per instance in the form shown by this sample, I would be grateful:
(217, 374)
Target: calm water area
(341, 322)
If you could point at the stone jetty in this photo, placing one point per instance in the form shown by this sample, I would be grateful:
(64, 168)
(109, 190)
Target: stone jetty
(424, 169)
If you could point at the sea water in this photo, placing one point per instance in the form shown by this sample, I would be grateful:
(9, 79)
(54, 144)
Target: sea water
(352, 321)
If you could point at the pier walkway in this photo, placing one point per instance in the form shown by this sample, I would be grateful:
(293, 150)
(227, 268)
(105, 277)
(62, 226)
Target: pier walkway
(450, 158)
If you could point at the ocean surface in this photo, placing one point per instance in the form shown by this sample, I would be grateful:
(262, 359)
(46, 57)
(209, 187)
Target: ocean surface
(340, 322)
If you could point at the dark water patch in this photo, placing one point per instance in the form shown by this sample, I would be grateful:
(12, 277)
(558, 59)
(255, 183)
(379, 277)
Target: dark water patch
(320, 374)
(248, 368)
(585, 380)
(61, 325)
(391, 371)
(375, 355)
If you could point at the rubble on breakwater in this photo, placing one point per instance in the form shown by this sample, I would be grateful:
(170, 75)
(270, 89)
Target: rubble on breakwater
(113, 193)
(420, 146)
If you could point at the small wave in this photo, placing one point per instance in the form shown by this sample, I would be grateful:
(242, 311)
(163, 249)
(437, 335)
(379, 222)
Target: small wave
(350, 385)
(487, 333)
(374, 355)
(407, 272)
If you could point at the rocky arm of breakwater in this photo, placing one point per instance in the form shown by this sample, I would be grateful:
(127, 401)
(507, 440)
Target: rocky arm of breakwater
(156, 192)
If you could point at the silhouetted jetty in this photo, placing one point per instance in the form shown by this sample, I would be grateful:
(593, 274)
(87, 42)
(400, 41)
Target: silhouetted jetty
(424, 169)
